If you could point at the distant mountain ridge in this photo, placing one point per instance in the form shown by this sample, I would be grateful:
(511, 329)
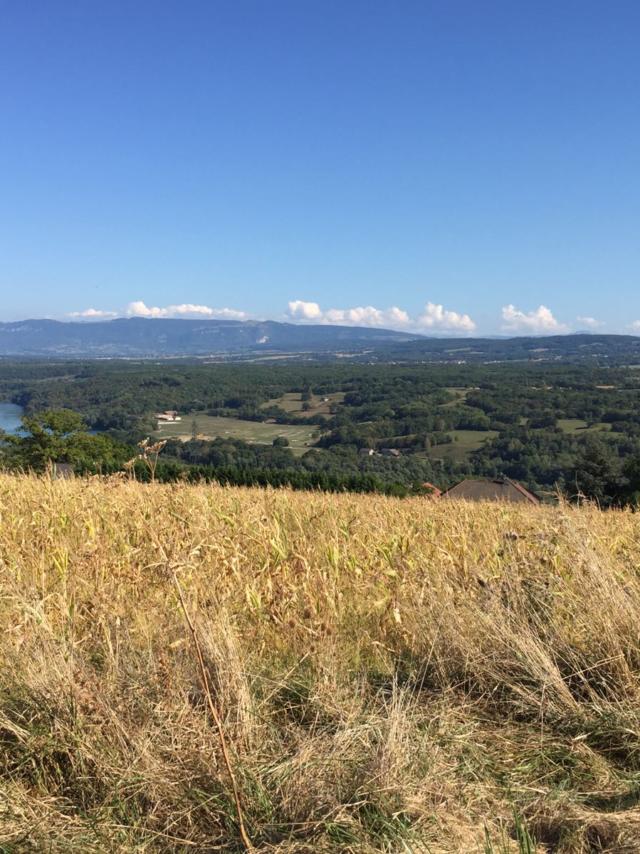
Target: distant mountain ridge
(143, 337)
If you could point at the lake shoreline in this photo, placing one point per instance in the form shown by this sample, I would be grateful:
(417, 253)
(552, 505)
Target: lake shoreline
(10, 415)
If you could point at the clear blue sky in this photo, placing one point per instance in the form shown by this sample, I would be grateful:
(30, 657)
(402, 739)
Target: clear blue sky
(472, 155)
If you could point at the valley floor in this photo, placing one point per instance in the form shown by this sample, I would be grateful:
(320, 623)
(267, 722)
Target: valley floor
(387, 676)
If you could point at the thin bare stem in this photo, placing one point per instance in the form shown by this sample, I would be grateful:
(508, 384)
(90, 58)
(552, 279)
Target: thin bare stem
(215, 715)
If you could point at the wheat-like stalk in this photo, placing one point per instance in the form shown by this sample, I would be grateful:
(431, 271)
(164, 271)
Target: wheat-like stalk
(381, 675)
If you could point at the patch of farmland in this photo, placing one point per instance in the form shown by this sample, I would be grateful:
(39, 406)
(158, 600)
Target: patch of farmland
(464, 442)
(320, 404)
(460, 393)
(300, 437)
(577, 425)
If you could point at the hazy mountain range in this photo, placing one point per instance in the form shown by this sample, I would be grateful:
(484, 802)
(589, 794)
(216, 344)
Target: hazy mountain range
(141, 337)
(166, 338)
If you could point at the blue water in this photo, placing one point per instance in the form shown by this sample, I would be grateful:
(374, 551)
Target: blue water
(10, 415)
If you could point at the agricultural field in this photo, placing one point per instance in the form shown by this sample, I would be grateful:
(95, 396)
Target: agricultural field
(318, 405)
(576, 425)
(300, 437)
(460, 395)
(199, 668)
(464, 442)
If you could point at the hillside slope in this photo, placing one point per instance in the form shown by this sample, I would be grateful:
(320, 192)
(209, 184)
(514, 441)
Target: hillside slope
(142, 337)
(389, 676)
(139, 338)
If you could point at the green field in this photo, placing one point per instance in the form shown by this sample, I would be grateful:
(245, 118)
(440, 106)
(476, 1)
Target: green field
(318, 405)
(254, 432)
(575, 425)
(464, 442)
(467, 441)
(460, 393)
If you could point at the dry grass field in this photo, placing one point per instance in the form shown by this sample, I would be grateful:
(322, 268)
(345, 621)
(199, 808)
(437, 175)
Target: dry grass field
(214, 669)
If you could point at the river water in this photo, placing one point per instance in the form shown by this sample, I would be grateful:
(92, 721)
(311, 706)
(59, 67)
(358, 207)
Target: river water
(10, 415)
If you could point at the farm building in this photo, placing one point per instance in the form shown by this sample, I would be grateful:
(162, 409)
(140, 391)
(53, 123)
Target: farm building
(168, 415)
(501, 489)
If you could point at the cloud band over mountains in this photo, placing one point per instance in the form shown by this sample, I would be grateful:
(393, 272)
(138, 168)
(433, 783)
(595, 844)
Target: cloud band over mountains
(434, 318)
(140, 309)
(540, 321)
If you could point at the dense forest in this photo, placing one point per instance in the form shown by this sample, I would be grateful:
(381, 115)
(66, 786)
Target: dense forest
(568, 427)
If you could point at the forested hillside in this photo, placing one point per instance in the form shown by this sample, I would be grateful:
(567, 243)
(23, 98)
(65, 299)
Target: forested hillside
(573, 428)
(143, 337)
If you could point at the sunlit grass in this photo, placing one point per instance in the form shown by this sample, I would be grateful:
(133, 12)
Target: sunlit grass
(390, 675)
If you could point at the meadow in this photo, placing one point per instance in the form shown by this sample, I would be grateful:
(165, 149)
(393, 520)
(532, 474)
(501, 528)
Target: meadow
(198, 668)
(292, 403)
(464, 442)
(577, 425)
(300, 437)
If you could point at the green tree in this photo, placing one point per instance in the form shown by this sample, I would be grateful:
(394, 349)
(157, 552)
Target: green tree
(44, 438)
(60, 435)
(631, 472)
(597, 472)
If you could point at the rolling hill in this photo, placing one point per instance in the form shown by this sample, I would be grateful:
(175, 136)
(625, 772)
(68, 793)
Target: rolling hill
(141, 337)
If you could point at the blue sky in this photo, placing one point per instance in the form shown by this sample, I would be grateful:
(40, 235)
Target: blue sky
(450, 166)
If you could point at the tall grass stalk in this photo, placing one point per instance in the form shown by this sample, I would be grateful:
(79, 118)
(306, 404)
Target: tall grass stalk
(198, 668)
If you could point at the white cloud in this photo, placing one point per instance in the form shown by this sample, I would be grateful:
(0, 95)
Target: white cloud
(398, 315)
(534, 322)
(435, 317)
(140, 309)
(301, 310)
(438, 317)
(366, 315)
(589, 322)
(92, 314)
(635, 326)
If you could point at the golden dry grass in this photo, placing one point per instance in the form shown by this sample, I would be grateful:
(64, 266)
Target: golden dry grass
(400, 676)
